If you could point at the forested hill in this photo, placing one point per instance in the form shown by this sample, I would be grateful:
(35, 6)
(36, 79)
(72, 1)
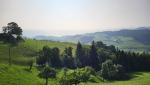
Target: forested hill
(136, 39)
(140, 35)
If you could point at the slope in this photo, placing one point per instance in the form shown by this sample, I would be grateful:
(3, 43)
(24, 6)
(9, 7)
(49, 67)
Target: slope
(26, 50)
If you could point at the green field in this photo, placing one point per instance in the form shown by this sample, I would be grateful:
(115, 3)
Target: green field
(141, 78)
(18, 73)
(24, 51)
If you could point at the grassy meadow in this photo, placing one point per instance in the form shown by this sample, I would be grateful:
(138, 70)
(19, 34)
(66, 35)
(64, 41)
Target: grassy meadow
(19, 75)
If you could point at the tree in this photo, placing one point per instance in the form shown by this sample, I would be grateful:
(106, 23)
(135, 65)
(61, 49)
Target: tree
(2, 37)
(50, 56)
(111, 71)
(120, 72)
(63, 80)
(68, 60)
(30, 64)
(108, 70)
(79, 55)
(68, 51)
(71, 78)
(40, 59)
(94, 61)
(12, 35)
(47, 73)
(100, 44)
(112, 48)
(55, 60)
(43, 56)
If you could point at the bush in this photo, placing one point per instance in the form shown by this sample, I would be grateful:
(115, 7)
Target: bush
(47, 72)
(110, 71)
(120, 72)
(79, 75)
(69, 77)
(84, 73)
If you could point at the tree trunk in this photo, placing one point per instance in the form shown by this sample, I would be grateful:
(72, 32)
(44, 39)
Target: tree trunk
(46, 81)
(30, 67)
(9, 56)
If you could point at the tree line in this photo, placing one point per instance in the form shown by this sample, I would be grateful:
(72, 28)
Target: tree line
(109, 61)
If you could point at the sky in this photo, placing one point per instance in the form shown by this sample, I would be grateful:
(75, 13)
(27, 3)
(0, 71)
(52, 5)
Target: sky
(69, 17)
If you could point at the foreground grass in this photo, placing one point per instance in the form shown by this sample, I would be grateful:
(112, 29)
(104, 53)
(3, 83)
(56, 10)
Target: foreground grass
(19, 75)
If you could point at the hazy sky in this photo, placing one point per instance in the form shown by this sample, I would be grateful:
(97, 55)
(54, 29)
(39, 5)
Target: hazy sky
(63, 17)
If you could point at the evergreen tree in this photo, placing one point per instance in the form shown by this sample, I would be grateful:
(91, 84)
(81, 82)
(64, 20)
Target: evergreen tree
(68, 60)
(94, 61)
(80, 55)
(55, 57)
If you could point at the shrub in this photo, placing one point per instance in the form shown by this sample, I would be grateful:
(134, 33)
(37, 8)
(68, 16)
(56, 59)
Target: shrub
(78, 75)
(46, 73)
(110, 71)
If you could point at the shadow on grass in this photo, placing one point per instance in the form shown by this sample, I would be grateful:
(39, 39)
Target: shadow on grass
(126, 77)
(134, 75)
(26, 69)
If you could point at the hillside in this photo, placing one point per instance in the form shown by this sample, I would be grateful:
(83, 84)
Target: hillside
(18, 73)
(130, 40)
(26, 50)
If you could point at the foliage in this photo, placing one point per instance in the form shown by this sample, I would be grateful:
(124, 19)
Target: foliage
(30, 63)
(11, 35)
(46, 73)
(50, 56)
(133, 61)
(110, 71)
(93, 58)
(80, 55)
(67, 58)
(77, 76)
(55, 58)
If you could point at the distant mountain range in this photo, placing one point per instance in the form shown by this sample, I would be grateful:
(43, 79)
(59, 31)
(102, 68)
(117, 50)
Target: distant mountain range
(135, 39)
